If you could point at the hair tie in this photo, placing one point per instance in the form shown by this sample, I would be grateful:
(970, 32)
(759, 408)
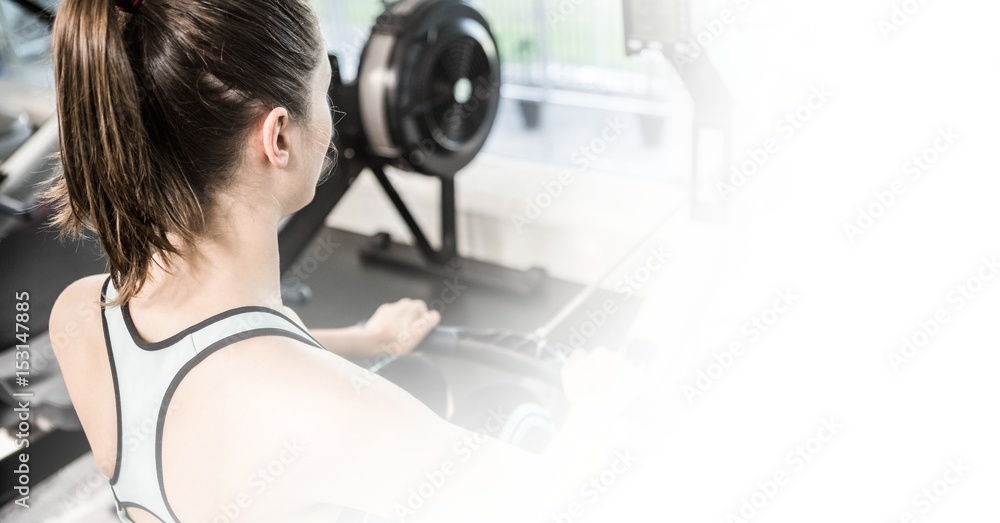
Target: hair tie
(128, 6)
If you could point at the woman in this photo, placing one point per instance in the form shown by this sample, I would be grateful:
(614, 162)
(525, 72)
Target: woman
(189, 130)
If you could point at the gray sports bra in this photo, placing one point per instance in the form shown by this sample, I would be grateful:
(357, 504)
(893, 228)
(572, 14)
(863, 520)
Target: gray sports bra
(146, 375)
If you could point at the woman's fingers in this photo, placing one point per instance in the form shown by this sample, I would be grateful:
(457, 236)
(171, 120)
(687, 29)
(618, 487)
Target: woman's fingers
(402, 324)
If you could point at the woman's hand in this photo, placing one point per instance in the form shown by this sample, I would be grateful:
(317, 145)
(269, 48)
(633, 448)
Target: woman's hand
(397, 328)
(394, 330)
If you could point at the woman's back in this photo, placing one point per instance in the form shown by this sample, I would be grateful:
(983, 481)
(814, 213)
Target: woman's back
(204, 443)
(229, 412)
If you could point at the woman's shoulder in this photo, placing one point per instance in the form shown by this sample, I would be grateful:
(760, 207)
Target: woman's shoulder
(77, 311)
(75, 327)
(76, 332)
(86, 289)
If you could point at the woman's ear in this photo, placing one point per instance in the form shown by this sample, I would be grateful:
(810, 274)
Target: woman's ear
(275, 137)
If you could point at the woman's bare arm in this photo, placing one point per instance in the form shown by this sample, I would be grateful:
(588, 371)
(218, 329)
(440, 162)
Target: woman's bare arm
(395, 329)
(385, 452)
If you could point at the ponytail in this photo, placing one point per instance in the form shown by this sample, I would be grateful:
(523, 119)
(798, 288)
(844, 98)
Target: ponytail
(109, 182)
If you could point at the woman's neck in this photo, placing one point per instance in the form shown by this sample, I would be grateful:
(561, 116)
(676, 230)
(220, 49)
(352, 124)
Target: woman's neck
(236, 266)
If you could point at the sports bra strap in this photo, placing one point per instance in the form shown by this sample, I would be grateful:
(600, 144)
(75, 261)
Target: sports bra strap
(146, 375)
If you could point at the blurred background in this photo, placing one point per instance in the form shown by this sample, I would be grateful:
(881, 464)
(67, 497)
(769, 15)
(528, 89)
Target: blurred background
(754, 141)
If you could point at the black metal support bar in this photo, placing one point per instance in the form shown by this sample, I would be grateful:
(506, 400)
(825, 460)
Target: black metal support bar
(449, 220)
(445, 261)
(397, 201)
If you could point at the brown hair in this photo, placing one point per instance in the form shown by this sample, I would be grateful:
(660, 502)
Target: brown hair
(154, 108)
